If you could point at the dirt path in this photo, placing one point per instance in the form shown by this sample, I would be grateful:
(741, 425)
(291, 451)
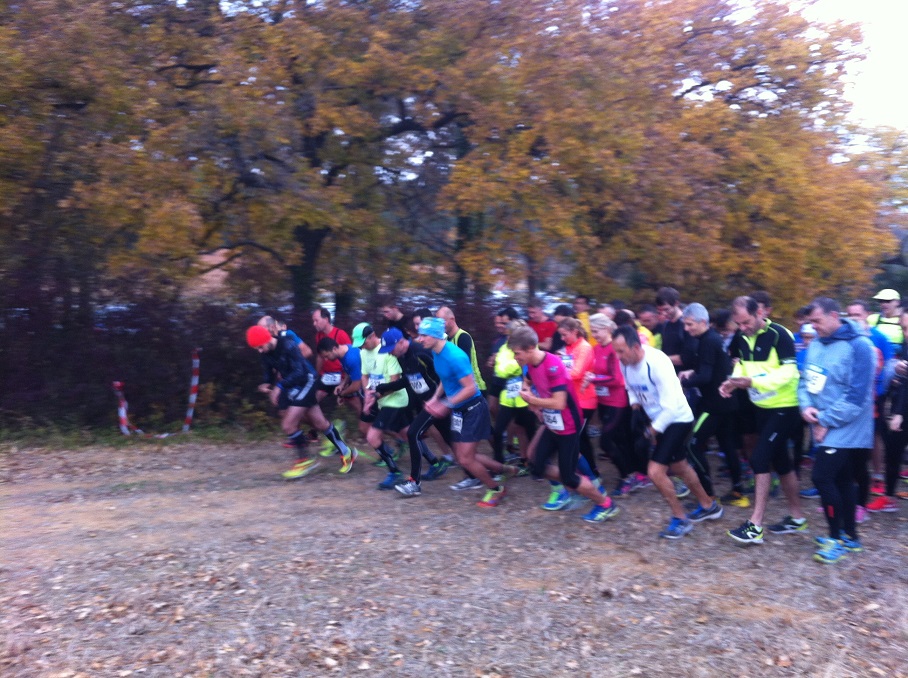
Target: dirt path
(197, 560)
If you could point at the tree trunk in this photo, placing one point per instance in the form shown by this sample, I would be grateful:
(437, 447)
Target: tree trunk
(303, 276)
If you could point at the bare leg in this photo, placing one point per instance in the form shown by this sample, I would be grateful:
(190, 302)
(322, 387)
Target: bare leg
(686, 472)
(658, 473)
(789, 484)
(761, 497)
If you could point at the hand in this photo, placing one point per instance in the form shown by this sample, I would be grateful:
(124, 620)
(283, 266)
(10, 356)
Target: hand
(901, 368)
(742, 382)
(686, 374)
(526, 394)
(587, 378)
(726, 388)
(811, 415)
(895, 422)
(273, 395)
(369, 401)
(819, 433)
(437, 409)
(263, 388)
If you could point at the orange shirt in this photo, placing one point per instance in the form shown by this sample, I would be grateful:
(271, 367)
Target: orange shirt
(579, 361)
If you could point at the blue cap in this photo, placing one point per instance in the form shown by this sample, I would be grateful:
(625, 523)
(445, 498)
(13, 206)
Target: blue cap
(432, 327)
(389, 339)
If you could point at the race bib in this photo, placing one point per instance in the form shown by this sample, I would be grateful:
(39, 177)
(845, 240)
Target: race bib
(815, 376)
(642, 395)
(457, 422)
(756, 396)
(374, 381)
(512, 387)
(568, 361)
(602, 391)
(331, 378)
(553, 420)
(417, 383)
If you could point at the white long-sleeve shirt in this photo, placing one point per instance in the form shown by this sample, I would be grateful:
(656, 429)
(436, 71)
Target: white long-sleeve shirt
(653, 384)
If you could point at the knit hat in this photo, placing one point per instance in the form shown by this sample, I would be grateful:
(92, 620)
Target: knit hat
(432, 327)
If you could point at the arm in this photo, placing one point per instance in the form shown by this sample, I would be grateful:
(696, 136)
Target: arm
(557, 401)
(670, 392)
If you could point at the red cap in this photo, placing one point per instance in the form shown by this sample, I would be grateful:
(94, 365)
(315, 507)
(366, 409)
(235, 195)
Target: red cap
(257, 336)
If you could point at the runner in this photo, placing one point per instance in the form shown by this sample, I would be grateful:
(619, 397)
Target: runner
(380, 368)
(767, 368)
(420, 382)
(289, 382)
(614, 410)
(653, 389)
(512, 408)
(463, 341)
(578, 360)
(550, 389)
(458, 395)
(836, 399)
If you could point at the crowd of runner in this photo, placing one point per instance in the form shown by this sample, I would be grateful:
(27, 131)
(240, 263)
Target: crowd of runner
(660, 389)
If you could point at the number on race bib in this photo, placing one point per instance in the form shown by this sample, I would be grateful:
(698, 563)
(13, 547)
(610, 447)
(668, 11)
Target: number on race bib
(457, 422)
(512, 387)
(417, 383)
(815, 376)
(374, 381)
(331, 378)
(553, 420)
(602, 391)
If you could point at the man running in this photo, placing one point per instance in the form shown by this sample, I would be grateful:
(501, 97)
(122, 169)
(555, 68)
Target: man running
(654, 389)
(389, 406)
(767, 368)
(836, 399)
(458, 394)
(289, 382)
(551, 390)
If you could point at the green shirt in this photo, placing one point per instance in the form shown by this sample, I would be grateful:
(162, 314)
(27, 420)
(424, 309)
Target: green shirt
(379, 368)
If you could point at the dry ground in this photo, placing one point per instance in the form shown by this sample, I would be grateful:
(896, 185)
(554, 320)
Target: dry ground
(198, 560)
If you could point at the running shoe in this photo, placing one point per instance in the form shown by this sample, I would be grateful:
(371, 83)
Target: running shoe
(861, 514)
(599, 514)
(831, 552)
(810, 493)
(623, 489)
(681, 490)
(641, 482)
(883, 505)
(390, 481)
(300, 469)
(467, 484)
(877, 488)
(901, 495)
(736, 499)
(787, 525)
(295, 444)
(437, 470)
(851, 545)
(699, 514)
(492, 498)
(409, 489)
(676, 529)
(312, 436)
(348, 459)
(904, 475)
(558, 500)
(748, 533)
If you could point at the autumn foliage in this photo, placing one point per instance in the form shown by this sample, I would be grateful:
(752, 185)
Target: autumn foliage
(365, 146)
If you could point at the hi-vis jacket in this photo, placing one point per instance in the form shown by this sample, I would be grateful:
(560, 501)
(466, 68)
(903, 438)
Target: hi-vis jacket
(768, 358)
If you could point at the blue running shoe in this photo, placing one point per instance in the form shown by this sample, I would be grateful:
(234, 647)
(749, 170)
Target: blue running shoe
(558, 500)
(810, 493)
(599, 514)
(676, 529)
(699, 514)
(832, 552)
(390, 481)
(851, 545)
(437, 470)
